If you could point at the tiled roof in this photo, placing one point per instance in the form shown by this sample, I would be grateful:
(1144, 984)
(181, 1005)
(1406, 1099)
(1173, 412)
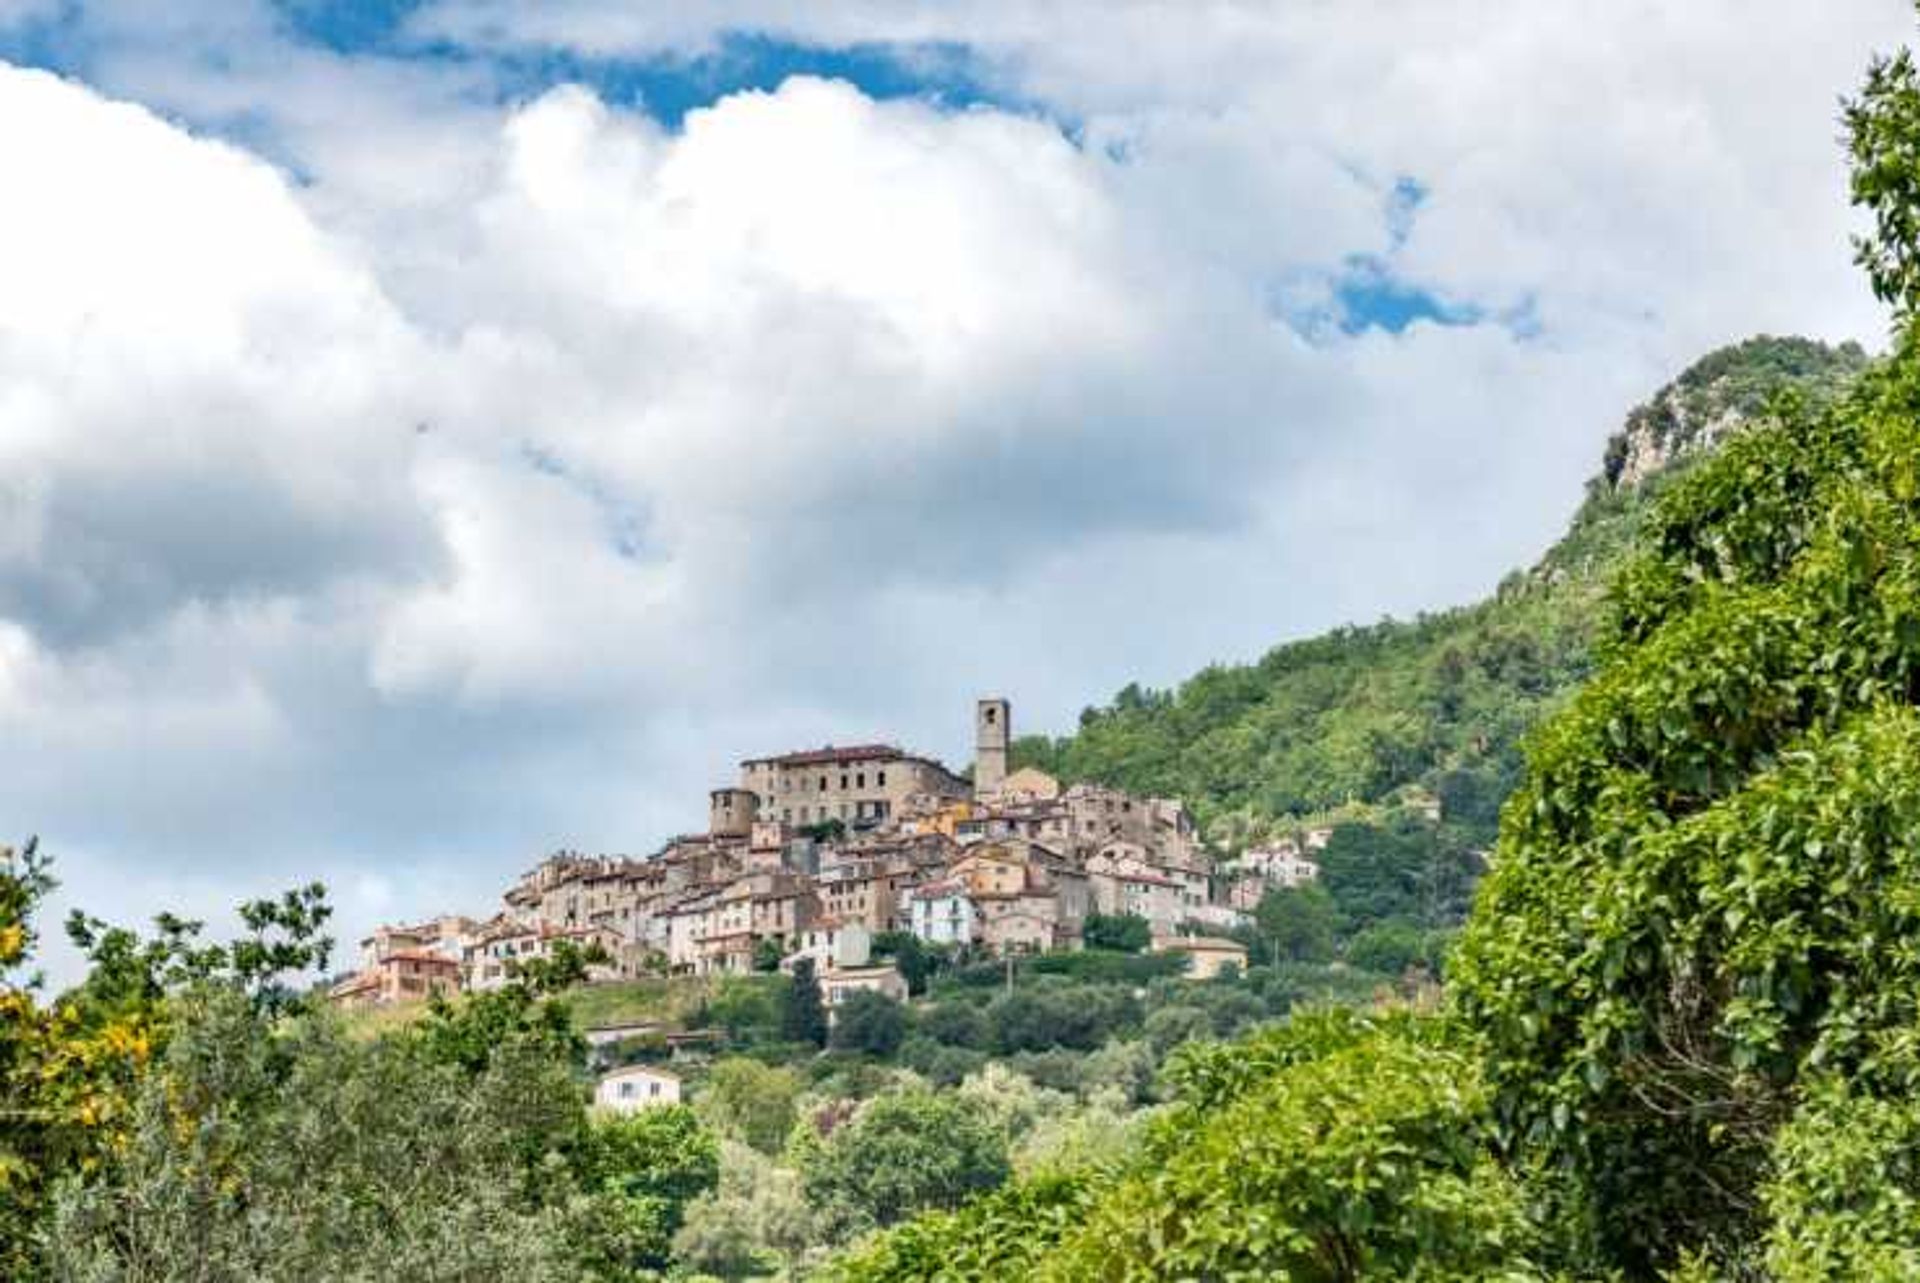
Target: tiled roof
(830, 756)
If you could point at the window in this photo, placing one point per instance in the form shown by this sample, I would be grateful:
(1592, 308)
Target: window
(823, 783)
(843, 779)
(860, 780)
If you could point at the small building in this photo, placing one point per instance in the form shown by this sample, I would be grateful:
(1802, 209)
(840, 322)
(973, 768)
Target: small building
(402, 975)
(832, 943)
(1207, 956)
(943, 913)
(635, 1087)
(1282, 865)
(840, 984)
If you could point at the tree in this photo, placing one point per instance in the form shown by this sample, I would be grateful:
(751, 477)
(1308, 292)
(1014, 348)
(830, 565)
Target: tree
(767, 954)
(915, 959)
(275, 1149)
(1700, 916)
(756, 1222)
(1335, 1148)
(869, 1022)
(903, 1152)
(566, 965)
(652, 1163)
(1121, 932)
(802, 1016)
(1882, 125)
(750, 1100)
(70, 1071)
(1297, 922)
(1391, 948)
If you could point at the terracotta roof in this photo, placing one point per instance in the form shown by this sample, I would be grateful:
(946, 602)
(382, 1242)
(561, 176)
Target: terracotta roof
(830, 755)
(419, 955)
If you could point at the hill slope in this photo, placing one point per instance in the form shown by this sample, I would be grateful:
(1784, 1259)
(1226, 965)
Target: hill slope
(1361, 717)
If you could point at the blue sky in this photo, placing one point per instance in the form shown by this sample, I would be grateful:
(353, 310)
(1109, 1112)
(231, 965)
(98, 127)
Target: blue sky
(424, 445)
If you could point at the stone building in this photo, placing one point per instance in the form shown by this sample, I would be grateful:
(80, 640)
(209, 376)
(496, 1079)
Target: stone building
(399, 975)
(860, 786)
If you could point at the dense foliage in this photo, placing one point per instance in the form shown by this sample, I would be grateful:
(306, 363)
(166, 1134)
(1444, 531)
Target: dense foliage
(1331, 1148)
(1707, 898)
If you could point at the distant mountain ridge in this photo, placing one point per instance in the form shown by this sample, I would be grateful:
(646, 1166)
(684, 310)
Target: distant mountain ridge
(1355, 720)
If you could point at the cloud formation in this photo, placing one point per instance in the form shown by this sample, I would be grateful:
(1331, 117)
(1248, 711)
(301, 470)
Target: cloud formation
(399, 476)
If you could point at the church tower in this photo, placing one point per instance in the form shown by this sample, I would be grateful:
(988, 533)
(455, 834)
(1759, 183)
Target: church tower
(993, 734)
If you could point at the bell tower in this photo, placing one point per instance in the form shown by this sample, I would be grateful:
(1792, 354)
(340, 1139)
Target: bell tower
(992, 735)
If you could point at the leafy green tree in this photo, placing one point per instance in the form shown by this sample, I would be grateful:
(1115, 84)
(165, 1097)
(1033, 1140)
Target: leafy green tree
(1882, 125)
(902, 1153)
(1121, 932)
(1336, 1148)
(749, 1008)
(958, 1024)
(566, 965)
(869, 1022)
(70, 1070)
(1391, 948)
(1168, 1027)
(753, 1101)
(1296, 923)
(803, 1017)
(916, 960)
(651, 1164)
(472, 1030)
(767, 954)
(1040, 1016)
(755, 1223)
(274, 1150)
(1701, 908)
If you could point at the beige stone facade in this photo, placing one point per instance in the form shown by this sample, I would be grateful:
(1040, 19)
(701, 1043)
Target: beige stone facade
(859, 786)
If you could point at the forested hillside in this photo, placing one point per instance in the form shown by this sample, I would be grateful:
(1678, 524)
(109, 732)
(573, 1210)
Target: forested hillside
(1438, 704)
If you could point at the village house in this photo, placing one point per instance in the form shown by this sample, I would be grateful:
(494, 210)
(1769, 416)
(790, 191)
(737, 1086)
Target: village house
(497, 952)
(860, 785)
(831, 943)
(1281, 864)
(399, 975)
(1207, 956)
(943, 913)
(840, 984)
(632, 1088)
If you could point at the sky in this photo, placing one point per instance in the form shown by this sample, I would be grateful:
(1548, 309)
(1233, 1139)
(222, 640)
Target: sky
(437, 432)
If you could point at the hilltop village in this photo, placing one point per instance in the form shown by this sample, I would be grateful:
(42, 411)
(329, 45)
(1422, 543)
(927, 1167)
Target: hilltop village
(812, 854)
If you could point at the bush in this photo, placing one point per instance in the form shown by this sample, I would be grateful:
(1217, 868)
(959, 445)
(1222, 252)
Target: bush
(1119, 932)
(751, 1101)
(956, 1023)
(902, 1153)
(869, 1022)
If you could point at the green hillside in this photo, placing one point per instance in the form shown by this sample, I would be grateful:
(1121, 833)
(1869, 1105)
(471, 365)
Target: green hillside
(1358, 718)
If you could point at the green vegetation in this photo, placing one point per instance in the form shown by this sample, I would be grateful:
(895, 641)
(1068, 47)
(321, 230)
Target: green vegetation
(1435, 707)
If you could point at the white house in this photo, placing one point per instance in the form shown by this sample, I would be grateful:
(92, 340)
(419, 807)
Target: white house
(1281, 865)
(943, 913)
(832, 943)
(636, 1087)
